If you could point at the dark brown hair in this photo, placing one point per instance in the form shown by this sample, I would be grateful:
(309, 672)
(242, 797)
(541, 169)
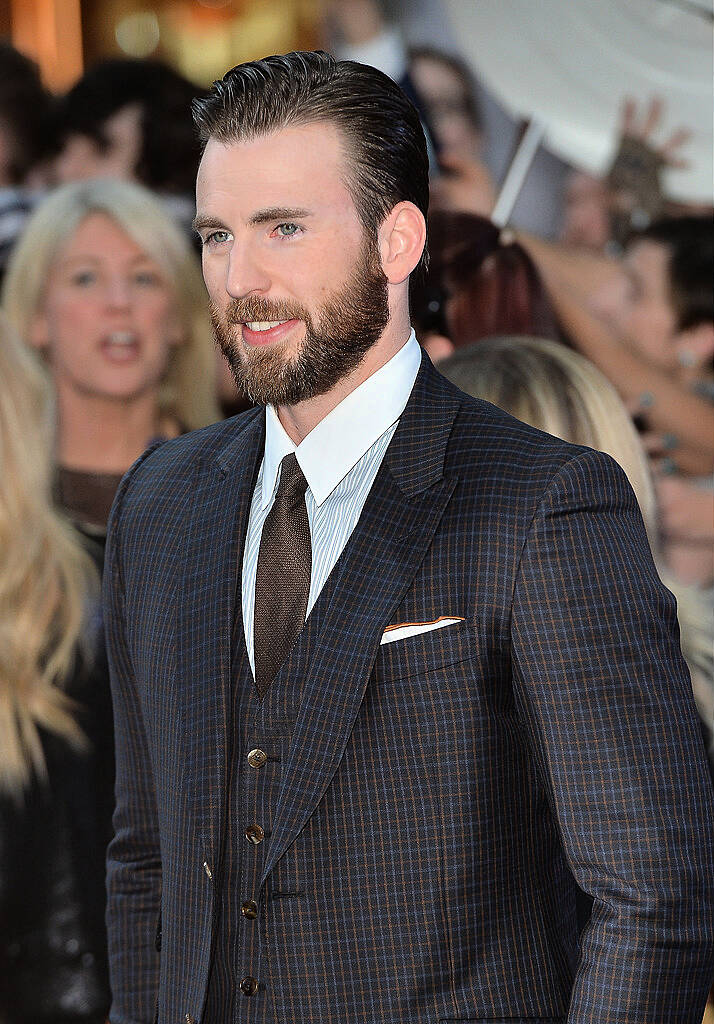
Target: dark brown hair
(381, 127)
(479, 284)
(689, 242)
(169, 151)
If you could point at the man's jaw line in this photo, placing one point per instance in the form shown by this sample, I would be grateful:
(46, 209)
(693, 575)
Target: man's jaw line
(298, 420)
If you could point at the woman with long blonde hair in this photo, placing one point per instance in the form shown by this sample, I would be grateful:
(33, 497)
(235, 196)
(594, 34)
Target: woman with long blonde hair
(52, 697)
(106, 290)
(557, 390)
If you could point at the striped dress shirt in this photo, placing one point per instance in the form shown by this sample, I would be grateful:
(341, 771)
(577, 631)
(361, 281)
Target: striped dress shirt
(340, 458)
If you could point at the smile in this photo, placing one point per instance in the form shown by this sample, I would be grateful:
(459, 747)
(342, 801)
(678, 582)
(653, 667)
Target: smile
(264, 325)
(258, 333)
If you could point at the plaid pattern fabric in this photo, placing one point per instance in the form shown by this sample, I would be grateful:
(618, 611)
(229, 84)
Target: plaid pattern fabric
(440, 794)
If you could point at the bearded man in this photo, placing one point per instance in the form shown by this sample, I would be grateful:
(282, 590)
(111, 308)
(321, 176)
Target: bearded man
(392, 671)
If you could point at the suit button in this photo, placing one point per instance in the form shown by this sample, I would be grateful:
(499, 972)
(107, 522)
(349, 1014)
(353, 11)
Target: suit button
(254, 834)
(249, 986)
(249, 909)
(189, 1019)
(257, 758)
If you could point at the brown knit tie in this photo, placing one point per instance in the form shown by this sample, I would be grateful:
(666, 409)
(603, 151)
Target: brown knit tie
(282, 583)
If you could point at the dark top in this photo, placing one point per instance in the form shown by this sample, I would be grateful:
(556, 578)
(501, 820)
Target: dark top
(86, 497)
(53, 958)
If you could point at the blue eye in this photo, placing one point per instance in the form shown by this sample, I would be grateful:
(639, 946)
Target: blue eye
(287, 230)
(216, 238)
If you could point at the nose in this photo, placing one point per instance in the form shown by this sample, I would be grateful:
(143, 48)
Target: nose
(118, 293)
(245, 273)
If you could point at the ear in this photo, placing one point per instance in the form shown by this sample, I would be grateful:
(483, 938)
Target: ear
(38, 335)
(402, 237)
(695, 346)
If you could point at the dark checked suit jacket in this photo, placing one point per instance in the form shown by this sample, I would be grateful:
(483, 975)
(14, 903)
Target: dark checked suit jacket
(442, 792)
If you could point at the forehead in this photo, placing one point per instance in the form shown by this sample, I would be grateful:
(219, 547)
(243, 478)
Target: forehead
(299, 166)
(99, 235)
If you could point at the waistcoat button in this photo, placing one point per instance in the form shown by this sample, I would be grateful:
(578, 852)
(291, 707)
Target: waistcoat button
(254, 834)
(249, 986)
(257, 758)
(249, 909)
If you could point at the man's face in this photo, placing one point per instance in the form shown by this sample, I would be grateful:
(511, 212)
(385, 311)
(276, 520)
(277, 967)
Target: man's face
(639, 306)
(297, 291)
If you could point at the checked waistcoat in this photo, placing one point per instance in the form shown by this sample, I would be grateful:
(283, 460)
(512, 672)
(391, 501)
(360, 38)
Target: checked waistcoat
(239, 988)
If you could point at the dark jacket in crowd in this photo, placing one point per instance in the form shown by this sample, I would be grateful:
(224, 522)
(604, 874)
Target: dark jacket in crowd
(53, 960)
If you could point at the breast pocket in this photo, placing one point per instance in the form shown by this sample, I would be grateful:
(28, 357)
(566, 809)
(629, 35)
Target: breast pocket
(426, 652)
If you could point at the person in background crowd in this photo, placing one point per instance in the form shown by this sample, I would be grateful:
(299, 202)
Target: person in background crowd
(106, 288)
(26, 121)
(56, 741)
(649, 326)
(557, 390)
(446, 87)
(480, 282)
(600, 213)
(439, 84)
(26, 142)
(131, 119)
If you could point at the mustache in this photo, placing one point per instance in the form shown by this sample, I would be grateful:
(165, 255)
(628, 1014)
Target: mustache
(255, 309)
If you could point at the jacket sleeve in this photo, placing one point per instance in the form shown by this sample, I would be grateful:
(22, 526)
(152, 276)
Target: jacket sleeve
(133, 858)
(606, 696)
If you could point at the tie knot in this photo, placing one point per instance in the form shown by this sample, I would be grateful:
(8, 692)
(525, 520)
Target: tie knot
(292, 484)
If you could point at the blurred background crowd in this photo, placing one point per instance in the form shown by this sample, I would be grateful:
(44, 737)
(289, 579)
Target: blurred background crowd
(570, 282)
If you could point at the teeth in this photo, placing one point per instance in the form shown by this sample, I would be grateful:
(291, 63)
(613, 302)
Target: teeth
(122, 337)
(264, 325)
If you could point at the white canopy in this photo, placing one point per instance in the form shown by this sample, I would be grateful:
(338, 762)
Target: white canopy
(570, 63)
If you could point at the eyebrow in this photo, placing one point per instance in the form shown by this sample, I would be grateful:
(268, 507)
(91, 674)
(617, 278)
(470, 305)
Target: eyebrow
(277, 213)
(141, 257)
(202, 221)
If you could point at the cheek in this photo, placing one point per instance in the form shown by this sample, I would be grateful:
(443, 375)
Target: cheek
(72, 325)
(156, 316)
(214, 276)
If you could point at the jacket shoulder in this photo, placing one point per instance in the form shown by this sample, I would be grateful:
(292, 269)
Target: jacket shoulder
(167, 469)
(488, 441)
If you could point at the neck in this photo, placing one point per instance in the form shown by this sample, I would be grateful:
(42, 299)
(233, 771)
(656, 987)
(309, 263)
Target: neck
(298, 420)
(97, 434)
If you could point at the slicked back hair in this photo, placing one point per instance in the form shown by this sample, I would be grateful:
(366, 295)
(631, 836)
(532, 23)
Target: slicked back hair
(381, 129)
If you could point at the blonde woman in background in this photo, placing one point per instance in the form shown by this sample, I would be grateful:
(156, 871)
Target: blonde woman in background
(55, 784)
(106, 290)
(559, 391)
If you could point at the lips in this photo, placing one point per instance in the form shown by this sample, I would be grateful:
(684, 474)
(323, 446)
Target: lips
(120, 347)
(264, 332)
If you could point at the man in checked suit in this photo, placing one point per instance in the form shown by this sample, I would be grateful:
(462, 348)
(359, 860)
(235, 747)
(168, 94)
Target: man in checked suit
(392, 671)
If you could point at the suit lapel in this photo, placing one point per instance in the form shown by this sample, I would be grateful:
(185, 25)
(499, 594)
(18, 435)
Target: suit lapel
(387, 547)
(214, 536)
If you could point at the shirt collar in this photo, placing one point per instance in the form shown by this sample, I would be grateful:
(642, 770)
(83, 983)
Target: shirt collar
(340, 440)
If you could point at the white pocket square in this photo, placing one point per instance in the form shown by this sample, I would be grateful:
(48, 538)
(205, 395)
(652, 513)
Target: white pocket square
(401, 630)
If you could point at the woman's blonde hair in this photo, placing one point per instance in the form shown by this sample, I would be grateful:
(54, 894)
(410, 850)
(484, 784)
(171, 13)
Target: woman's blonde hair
(189, 391)
(559, 391)
(47, 582)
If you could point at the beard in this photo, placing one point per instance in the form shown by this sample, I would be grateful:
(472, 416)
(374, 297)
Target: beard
(348, 323)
